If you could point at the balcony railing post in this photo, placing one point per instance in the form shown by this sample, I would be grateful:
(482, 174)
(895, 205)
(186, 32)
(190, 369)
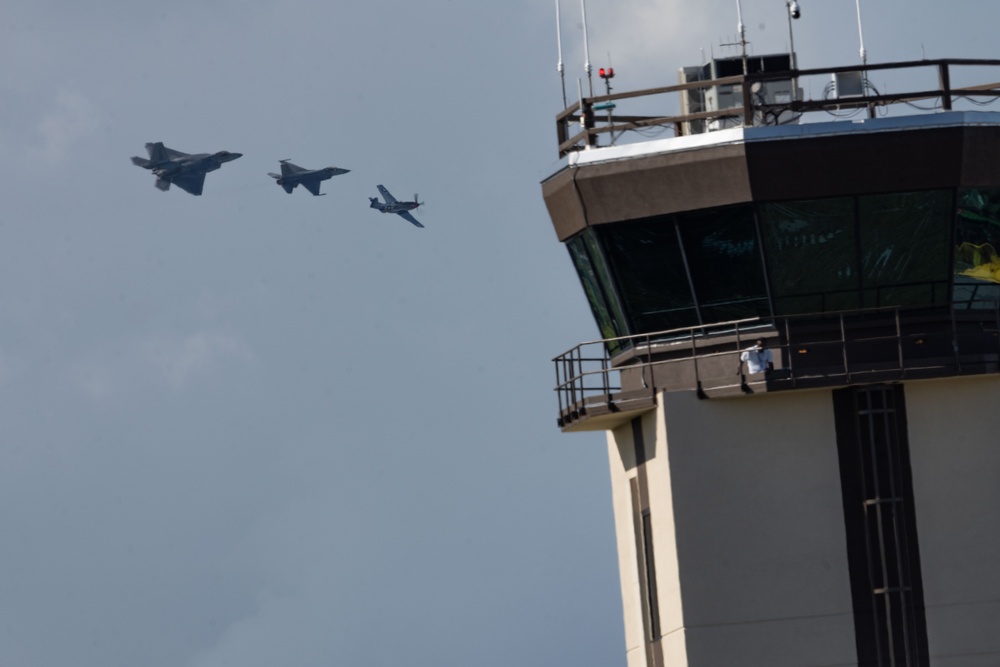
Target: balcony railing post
(694, 359)
(899, 344)
(739, 359)
(944, 76)
(567, 388)
(587, 114)
(605, 383)
(843, 348)
(648, 364)
(996, 313)
(575, 377)
(954, 342)
(747, 103)
(791, 355)
(559, 388)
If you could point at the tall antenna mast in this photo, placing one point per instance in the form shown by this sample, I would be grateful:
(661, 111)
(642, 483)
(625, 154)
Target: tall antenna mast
(743, 35)
(864, 61)
(586, 49)
(793, 12)
(861, 36)
(559, 65)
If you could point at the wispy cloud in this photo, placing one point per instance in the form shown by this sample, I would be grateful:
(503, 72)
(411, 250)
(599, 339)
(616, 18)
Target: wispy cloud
(177, 362)
(647, 33)
(73, 117)
(94, 379)
(181, 361)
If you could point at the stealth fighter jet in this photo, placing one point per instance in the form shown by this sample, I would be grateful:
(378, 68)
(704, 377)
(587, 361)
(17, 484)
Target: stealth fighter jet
(183, 170)
(293, 175)
(392, 205)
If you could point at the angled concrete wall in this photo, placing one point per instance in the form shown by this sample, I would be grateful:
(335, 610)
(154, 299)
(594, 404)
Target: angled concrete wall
(954, 434)
(748, 530)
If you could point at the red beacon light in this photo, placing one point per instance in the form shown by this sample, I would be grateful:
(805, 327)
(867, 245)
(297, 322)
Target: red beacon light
(608, 73)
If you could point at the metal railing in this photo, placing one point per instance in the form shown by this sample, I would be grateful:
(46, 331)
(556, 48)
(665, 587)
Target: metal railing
(852, 346)
(754, 110)
(589, 369)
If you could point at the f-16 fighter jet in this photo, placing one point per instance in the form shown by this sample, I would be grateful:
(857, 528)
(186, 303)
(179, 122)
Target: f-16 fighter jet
(183, 170)
(392, 205)
(293, 175)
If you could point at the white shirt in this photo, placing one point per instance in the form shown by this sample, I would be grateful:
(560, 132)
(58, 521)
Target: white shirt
(757, 360)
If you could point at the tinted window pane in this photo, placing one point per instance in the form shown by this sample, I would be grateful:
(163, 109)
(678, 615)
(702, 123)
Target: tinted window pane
(645, 258)
(812, 257)
(604, 279)
(591, 286)
(725, 263)
(977, 238)
(905, 241)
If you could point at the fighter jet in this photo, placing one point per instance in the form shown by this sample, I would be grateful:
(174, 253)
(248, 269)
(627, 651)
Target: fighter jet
(293, 175)
(183, 170)
(392, 205)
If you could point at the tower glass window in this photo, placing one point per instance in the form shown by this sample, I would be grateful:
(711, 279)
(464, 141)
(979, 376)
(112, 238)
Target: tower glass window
(720, 244)
(795, 257)
(812, 255)
(977, 242)
(649, 270)
(905, 247)
(597, 286)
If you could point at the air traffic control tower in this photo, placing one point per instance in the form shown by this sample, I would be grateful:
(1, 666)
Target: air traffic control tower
(844, 507)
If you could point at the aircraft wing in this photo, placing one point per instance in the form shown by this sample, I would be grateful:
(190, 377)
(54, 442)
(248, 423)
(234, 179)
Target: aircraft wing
(172, 154)
(405, 215)
(289, 169)
(193, 182)
(389, 199)
(311, 184)
(158, 153)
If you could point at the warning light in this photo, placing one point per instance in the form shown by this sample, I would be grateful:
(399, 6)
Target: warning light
(608, 73)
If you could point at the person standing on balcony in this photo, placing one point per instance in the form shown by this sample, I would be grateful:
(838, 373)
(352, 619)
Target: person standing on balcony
(758, 357)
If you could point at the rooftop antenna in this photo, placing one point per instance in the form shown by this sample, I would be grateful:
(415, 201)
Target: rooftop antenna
(794, 12)
(608, 73)
(586, 49)
(586, 114)
(864, 59)
(743, 35)
(559, 65)
(861, 36)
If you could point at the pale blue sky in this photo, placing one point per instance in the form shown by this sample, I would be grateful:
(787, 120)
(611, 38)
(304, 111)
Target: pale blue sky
(252, 428)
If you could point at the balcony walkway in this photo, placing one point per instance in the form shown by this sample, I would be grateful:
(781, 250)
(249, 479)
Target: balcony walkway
(598, 390)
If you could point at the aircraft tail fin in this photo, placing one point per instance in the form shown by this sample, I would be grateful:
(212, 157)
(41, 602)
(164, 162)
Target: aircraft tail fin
(163, 184)
(157, 153)
(140, 162)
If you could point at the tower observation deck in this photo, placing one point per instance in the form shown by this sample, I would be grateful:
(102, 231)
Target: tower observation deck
(842, 507)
